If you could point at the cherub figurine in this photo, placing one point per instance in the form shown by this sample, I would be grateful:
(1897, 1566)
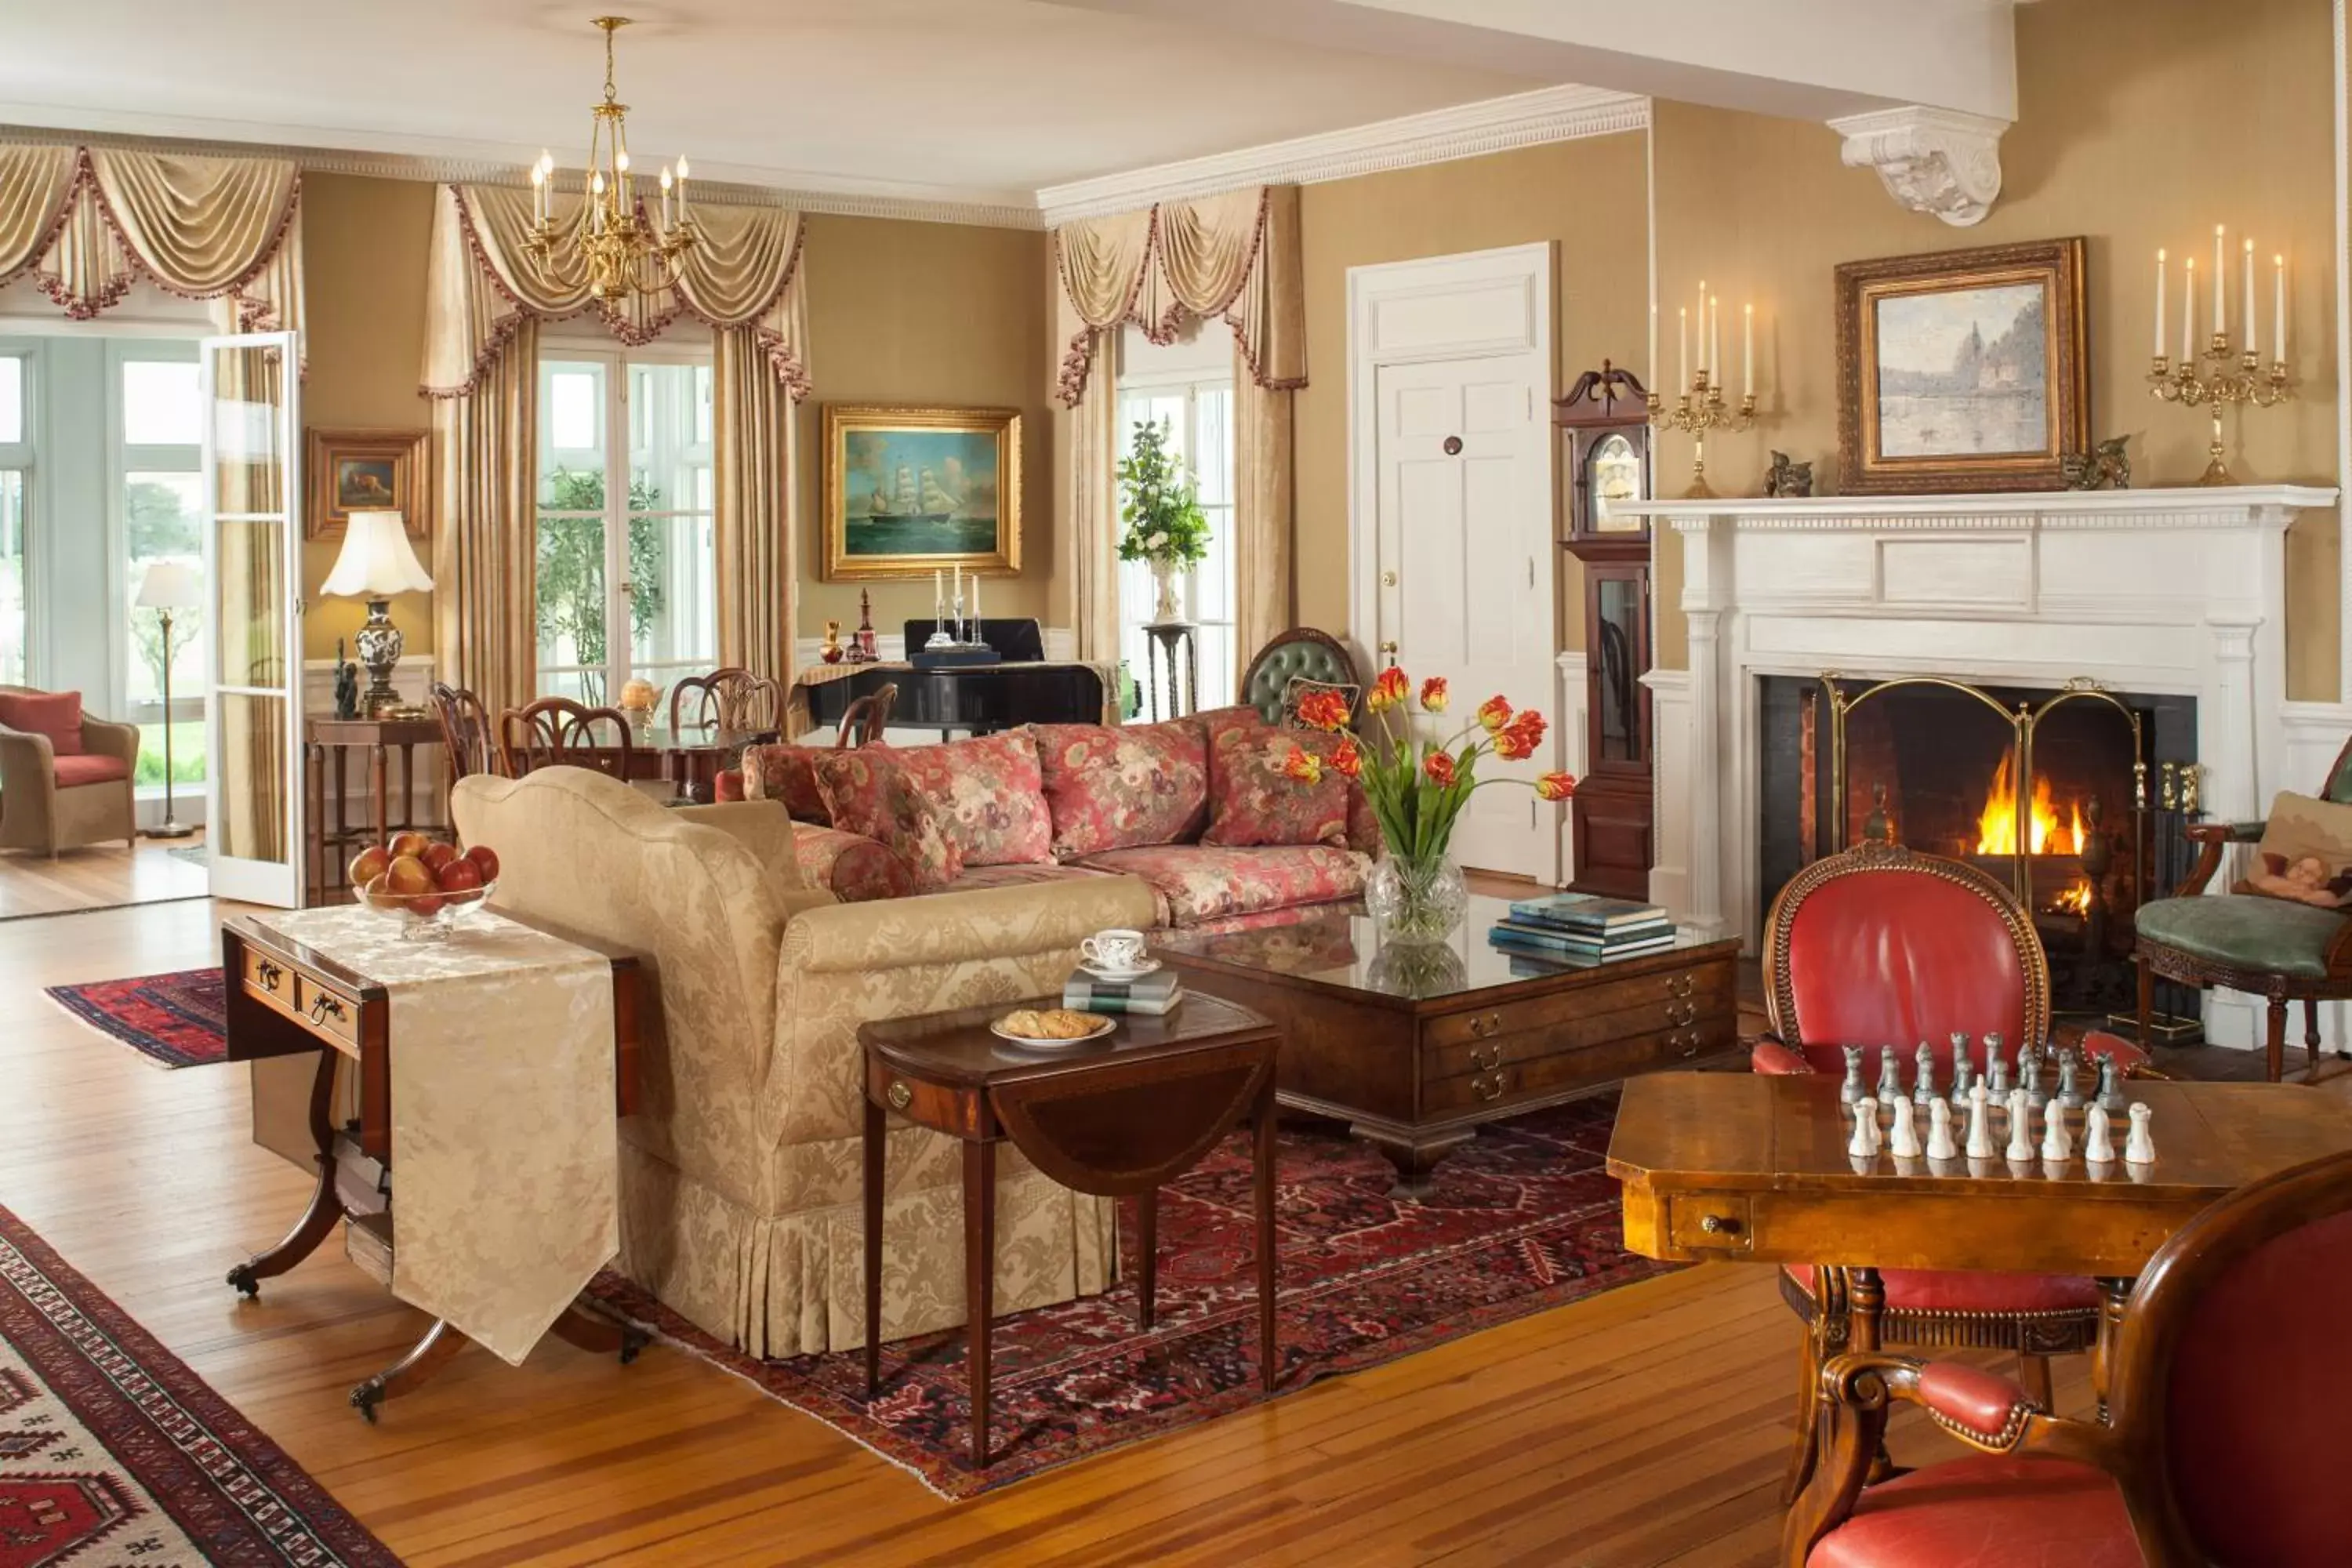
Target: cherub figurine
(2305, 879)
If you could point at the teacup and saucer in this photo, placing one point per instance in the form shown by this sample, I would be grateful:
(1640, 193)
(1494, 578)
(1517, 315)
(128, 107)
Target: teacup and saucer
(1116, 954)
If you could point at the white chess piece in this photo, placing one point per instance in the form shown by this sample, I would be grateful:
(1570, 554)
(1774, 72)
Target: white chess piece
(2057, 1140)
(2098, 1143)
(2139, 1149)
(1939, 1131)
(2021, 1127)
(1864, 1141)
(1902, 1139)
(1980, 1123)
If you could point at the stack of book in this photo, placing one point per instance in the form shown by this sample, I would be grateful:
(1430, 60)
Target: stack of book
(1582, 928)
(1155, 993)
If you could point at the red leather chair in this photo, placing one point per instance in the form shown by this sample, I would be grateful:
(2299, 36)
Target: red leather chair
(1879, 945)
(2226, 1389)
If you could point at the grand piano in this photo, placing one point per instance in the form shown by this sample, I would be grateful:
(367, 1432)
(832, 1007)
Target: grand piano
(976, 699)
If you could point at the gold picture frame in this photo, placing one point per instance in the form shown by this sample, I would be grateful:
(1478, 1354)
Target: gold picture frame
(909, 491)
(1962, 371)
(366, 471)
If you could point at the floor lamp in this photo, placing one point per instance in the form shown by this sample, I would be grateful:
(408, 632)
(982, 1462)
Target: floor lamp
(169, 585)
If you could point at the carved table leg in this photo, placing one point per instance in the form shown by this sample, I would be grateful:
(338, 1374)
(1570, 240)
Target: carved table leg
(326, 1210)
(2114, 1293)
(1866, 1298)
(2311, 1032)
(979, 1282)
(1147, 1243)
(1804, 1449)
(874, 1149)
(600, 1335)
(1268, 1363)
(1414, 1159)
(427, 1356)
(2274, 1041)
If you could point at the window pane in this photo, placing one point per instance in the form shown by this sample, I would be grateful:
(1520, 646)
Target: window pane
(1212, 451)
(187, 747)
(162, 522)
(576, 412)
(674, 610)
(571, 606)
(12, 576)
(11, 399)
(161, 403)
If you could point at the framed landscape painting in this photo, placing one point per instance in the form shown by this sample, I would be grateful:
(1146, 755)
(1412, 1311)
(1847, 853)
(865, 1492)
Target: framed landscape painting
(1962, 371)
(365, 470)
(910, 491)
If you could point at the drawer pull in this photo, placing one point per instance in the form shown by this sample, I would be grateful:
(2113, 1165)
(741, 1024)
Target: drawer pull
(1486, 1059)
(268, 973)
(898, 1094)
(324, 1006)
(1489, 1086)
(1491, 1024)
(1680, 986)
(1718, 1225)
(1687, 1044)
(1681, 1012)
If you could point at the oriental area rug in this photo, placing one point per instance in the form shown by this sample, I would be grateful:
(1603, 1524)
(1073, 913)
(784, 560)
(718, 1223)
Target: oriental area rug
(1523, 1219)
(176, 1019)
(112, 1452)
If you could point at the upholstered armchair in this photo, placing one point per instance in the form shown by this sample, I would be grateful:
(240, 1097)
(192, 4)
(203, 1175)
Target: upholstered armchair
(65, 777)
(1301, 652)
(2270, 948)
(1879, 945)
(2225, 1391)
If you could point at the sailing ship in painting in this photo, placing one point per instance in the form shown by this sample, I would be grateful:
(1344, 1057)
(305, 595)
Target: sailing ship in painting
(916, 498)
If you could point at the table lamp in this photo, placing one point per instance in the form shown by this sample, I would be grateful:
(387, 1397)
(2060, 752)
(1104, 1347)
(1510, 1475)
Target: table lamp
(377, 562)
(169, 585)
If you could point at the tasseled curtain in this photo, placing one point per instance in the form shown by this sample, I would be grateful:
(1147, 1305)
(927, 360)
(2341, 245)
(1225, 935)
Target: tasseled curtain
(1233, 258)
(88, 222)
(484, 298)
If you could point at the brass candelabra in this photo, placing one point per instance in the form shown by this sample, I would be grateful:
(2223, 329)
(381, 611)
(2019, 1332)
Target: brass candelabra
(1696, 411)
(2232, 378)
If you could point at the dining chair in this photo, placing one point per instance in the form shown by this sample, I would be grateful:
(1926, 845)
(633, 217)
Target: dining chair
(465, 730)
(699, 701)
(862, 722)
(2226, 1393)
(750, 705)
(556, 730)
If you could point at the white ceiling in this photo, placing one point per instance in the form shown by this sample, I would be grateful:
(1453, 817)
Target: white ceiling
(953, 99)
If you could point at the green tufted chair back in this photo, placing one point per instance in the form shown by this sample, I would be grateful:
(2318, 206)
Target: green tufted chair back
(2339, 777)
(1300, 651)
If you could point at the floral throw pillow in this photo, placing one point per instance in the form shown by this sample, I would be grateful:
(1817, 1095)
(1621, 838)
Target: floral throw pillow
(870, 792)
(1123, 788)
(787, 773)
(1253, 801)
(989, 794)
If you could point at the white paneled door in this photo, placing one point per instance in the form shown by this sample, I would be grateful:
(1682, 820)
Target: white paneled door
(1463, 537)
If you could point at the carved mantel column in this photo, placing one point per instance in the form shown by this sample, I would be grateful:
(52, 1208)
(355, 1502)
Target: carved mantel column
(1936, 161)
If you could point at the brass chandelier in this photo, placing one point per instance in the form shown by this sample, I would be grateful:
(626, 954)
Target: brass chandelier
(620, 250)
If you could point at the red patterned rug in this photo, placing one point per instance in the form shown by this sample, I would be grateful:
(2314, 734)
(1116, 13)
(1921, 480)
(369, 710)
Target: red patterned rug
(113, 1453)
(176, 1019)
(1522, 1220)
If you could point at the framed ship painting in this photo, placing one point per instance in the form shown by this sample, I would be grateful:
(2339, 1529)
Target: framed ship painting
(1962, 371)
(909, 491)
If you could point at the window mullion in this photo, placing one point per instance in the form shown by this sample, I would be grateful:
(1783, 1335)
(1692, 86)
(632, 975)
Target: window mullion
(620, 626)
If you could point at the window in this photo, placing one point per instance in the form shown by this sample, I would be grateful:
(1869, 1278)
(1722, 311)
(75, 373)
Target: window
(15, 463)
(157, 462)
(1197, 409)
(625, 534)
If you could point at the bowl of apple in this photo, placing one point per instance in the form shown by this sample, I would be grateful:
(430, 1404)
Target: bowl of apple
(429, 885)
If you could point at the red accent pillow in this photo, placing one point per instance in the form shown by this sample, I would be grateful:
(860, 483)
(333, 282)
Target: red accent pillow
(57, 714)
(787, 773)
(1126, 787)
(727, 786)
(989, 794)
(870, 792)
(1253, 803)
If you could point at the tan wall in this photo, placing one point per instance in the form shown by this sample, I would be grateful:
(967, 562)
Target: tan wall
(2141, 123)
(1588, 196)
(363, 248)
(928, 314)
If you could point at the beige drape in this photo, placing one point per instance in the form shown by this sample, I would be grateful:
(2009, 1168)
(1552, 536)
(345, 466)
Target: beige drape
(1234, 257)
(757, 521)
(486, 548)
(87, 223)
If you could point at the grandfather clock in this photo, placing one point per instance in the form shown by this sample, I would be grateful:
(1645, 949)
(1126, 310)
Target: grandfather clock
(1605, 421)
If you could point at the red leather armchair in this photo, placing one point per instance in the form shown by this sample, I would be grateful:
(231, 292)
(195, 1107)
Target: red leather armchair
(2225, 1389)
(1879, 945)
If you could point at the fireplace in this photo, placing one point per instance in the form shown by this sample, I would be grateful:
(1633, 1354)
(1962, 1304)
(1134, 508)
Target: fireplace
(2069, 796)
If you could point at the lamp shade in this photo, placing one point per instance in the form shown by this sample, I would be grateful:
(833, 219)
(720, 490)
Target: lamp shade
(377, 560)
(171, 585)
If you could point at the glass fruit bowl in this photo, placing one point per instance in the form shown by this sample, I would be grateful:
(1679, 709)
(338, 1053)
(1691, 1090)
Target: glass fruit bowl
(427, 917)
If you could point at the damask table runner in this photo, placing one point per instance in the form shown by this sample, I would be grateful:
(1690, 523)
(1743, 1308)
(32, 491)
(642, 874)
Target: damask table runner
(505, 1154)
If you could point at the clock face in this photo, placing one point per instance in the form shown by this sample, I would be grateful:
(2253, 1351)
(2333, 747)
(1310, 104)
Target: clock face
(1616, 473)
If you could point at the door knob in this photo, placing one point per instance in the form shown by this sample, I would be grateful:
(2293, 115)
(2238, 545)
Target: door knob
(1388, 579)
(1453, 445)
(1390, 648)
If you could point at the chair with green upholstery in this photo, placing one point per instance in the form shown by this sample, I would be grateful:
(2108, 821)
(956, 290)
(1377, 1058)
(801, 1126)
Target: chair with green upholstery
(2267, 947)
(1300, 653)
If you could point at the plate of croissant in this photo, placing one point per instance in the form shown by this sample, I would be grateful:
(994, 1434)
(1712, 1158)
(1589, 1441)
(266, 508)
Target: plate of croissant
(1050, 1029)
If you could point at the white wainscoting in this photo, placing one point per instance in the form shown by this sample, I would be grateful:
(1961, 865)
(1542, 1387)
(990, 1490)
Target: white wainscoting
(1575, 744)
(1670, 765)
(413, 678)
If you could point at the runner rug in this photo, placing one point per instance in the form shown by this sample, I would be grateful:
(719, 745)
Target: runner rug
(112, 1452)
(175, 1019)
(1523, 1219)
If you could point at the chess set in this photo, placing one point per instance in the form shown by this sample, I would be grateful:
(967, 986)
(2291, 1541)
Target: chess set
(1986, 1117)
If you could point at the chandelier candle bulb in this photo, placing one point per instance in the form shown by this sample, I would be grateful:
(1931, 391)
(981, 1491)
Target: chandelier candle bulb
(681, 187)
(665, 188)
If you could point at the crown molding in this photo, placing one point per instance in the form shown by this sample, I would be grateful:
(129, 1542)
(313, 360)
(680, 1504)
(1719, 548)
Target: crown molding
(1465, 130)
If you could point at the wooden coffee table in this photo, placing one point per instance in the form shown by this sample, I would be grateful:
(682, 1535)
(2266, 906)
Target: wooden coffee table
(1113, 1118)
(1415, 1047)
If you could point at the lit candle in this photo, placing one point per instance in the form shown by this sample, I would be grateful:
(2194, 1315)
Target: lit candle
(681, 187)
(1682, 350)
(2221, 306)
(2159, 304)
(939, 594)
(2248, 288)
(538, 194)
(1714, 339)
(621, 169)
(1748, 352)
(2189, 309)
(1653, 342)
(597, 202)
(1703, 366)
(665, 196)
(975, 599)
(2278, 309)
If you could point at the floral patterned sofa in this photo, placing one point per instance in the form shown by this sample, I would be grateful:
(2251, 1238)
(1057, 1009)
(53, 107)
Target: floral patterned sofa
(1201, 809)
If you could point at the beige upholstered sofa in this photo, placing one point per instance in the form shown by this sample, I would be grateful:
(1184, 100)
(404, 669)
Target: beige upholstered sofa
(740, 1181)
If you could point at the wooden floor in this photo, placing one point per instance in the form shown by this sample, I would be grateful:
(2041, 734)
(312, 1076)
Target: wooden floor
(99, 876)
(1643, 1427)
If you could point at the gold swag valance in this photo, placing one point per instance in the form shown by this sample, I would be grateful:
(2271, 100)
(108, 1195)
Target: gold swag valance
(88, 222)
(482, 284)
(1233, 256)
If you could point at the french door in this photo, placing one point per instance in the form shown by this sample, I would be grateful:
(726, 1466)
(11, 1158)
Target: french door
(253, 656)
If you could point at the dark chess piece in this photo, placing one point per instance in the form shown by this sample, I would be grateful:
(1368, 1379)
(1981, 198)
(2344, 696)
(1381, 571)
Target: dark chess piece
(347, 684)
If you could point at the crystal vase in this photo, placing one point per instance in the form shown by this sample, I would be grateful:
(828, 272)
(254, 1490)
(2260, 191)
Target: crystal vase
(1416, 898)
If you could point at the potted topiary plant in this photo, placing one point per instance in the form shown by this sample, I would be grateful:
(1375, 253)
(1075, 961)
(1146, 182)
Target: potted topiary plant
(1160, 503)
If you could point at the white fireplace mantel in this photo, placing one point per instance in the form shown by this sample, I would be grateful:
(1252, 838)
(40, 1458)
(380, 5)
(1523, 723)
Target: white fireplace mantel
(2177, 592)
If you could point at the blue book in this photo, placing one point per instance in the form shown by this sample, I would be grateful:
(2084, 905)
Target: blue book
(1526, 941)
(1588, 911)
(1555, 958)
(1579, 941)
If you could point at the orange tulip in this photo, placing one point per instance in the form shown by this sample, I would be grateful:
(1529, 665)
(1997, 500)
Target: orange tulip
(1303, 766)
(1321, 708)
(1439, 766)
(1494, 714)
(1387, 690)
(1348, 758)
(1554, 786)
(1433, 694)
(1519, 739)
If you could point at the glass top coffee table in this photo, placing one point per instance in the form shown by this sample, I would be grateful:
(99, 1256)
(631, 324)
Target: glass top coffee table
(1414, 1045)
